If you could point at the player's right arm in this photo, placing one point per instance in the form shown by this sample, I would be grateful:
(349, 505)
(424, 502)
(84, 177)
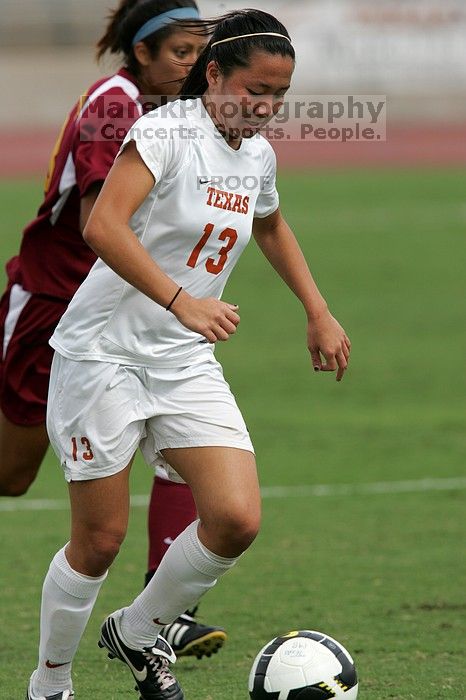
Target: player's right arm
(87, 202)
(110, 236)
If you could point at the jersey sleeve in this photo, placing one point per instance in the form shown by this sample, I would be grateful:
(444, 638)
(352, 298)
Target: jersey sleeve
(268, 199)
(102, 126)
(161, 142)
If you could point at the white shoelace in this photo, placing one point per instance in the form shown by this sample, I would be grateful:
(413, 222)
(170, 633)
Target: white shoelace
(161, 669)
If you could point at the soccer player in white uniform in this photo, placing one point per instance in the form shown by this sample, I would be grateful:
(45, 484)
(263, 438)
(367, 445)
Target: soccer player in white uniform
(134, 363)
(156, 52)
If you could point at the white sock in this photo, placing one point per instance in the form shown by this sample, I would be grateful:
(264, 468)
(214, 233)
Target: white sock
(67, 601)
(186, 572)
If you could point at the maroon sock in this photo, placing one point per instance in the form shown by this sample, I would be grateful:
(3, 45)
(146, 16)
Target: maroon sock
(171, 510)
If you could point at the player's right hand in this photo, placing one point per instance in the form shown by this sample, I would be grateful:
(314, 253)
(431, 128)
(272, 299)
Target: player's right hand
(212, 318)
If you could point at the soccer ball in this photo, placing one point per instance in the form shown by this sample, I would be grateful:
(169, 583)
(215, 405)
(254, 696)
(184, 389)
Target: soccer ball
(304, 665)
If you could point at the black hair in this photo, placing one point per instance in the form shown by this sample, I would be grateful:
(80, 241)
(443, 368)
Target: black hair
(237, 53)
(128, 18)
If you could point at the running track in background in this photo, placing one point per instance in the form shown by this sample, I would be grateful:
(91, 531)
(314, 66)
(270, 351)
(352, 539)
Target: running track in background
(25, 154)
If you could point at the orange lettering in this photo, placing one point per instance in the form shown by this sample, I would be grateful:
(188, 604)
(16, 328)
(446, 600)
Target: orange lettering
(88, 454)
(229, 197)
(237, 204)
(216, 267)
(192, 260)
(212, 266)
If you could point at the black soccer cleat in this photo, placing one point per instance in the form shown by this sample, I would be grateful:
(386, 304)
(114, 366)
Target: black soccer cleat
(188, 637)
(150, 666)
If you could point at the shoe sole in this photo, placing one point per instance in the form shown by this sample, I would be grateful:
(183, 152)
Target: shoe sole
(204, 646)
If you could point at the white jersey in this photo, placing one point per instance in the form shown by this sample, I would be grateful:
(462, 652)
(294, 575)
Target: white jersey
(195, 223)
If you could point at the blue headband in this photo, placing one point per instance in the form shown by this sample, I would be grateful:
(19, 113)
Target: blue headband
(156, 23)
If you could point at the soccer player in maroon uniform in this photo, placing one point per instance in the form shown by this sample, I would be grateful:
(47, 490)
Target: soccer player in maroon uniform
(158, 44)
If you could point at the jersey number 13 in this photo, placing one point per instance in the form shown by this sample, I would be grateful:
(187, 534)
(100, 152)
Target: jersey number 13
(214, 266)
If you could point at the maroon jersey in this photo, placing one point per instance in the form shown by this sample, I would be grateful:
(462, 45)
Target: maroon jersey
(53, 258)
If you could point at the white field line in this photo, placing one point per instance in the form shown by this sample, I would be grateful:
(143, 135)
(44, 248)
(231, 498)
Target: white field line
(304, 491)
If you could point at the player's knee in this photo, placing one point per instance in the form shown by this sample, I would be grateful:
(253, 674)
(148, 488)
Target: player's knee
(239, 526)
(102, 547)
(246, 533)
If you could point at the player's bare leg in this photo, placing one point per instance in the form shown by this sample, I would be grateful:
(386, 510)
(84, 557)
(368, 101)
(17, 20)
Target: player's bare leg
(99, 514)
(225, 487)
(22, 449)
(99, 517)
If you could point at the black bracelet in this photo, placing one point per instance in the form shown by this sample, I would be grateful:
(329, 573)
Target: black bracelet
(173, 300)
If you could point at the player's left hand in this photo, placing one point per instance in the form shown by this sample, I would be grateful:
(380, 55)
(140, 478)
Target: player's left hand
(327, 339)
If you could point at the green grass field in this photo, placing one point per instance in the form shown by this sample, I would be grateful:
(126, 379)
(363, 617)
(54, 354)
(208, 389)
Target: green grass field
(382, 570)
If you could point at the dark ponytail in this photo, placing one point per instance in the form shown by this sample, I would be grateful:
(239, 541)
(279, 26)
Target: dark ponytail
(110, 41)
(235, 54)
(128, 18)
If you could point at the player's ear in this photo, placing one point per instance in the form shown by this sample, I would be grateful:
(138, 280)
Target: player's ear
(142, 53)
(213, 74)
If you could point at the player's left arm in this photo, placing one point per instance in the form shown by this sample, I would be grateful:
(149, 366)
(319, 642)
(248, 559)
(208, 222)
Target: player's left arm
(325, 335)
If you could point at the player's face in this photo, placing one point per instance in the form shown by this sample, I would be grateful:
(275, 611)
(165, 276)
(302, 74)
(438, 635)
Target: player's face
(164, 74)
(249, 97)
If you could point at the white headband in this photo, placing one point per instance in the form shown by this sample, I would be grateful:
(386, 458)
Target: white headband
(243, 36)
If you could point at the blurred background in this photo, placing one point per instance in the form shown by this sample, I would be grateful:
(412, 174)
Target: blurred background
(414, 51)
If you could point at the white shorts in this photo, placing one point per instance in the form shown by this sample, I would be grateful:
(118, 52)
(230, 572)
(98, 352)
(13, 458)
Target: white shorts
(99, 414)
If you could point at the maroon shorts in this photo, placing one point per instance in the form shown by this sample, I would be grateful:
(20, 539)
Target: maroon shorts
(26, 324)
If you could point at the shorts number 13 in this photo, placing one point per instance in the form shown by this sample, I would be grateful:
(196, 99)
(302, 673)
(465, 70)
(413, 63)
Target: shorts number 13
(87, 452)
